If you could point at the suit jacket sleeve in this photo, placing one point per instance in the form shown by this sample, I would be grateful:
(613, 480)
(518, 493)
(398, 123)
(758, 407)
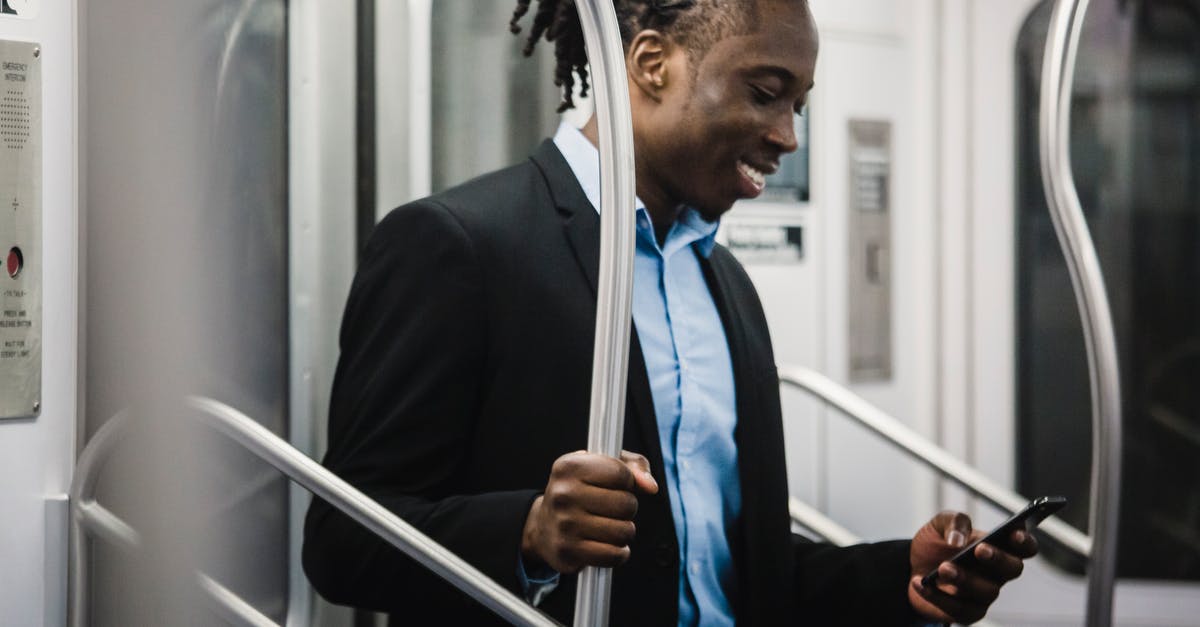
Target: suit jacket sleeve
(865, 584)
(405, 400)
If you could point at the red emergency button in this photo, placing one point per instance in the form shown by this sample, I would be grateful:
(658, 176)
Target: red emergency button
(16, 261)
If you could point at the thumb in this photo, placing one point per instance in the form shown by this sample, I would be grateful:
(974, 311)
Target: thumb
(641, 471)
(956, 528)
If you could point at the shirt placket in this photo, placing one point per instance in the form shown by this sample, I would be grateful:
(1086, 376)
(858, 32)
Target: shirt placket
(686, 436)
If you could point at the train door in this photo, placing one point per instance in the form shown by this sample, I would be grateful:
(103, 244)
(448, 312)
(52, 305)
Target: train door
(185, 293)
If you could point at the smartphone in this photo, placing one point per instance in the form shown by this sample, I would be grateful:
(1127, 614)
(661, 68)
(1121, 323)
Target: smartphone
(1028, 518)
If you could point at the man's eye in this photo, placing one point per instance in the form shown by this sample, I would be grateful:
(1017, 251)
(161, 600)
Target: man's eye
(762, 95)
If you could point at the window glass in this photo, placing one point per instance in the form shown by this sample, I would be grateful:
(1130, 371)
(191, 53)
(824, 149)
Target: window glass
(1135, 146)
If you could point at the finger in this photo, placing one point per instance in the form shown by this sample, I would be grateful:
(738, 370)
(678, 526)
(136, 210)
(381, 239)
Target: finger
(618, 533)
(567, 497)
(615, 504)
(641, 471)
(1022, 544)
(999, 566)
(967, 586)
(943, 607)
(592, 553)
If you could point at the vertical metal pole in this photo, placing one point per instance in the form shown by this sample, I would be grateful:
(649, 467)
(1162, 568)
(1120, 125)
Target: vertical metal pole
(1058, 76)
(610, 363)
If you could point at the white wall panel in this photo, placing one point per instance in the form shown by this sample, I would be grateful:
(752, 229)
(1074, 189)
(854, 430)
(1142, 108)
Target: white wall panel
(37, 455)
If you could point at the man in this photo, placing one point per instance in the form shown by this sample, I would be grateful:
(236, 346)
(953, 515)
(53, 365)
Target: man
(464, 379)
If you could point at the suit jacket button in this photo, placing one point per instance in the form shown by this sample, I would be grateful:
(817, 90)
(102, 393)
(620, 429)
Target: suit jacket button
(663, 555)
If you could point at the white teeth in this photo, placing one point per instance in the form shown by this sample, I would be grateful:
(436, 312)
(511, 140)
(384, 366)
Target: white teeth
(757, 177)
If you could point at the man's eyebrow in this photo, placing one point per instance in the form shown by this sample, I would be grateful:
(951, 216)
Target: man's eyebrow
(776, 70)
(781, 72)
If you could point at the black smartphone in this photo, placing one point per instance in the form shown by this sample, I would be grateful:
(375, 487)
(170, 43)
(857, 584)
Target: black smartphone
(1028, 518)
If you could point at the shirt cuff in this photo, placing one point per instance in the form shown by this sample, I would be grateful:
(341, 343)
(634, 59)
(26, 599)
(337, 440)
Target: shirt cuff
(537, 584)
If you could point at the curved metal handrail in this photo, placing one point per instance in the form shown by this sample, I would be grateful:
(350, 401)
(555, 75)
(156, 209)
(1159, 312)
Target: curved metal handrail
(86, 513)
(928, 453)
(378, 519)
(89, 515)
(614, 289)
(1066, 210)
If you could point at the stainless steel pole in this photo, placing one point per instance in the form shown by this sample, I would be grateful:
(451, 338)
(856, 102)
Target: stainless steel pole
(1058, 77)
(610, 362)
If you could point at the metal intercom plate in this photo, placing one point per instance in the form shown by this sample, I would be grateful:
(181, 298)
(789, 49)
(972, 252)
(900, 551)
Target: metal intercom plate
(20, 229)
(869, 222)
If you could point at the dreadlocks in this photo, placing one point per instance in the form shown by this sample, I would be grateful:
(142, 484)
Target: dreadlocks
(695, 24)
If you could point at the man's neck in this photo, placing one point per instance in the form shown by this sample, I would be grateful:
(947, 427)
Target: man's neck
(662, 214)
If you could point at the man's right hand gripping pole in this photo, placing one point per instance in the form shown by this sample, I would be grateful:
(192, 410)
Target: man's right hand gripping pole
(585, 516)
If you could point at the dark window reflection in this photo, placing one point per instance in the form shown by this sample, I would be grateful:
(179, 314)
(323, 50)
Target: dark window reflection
(1135, 144)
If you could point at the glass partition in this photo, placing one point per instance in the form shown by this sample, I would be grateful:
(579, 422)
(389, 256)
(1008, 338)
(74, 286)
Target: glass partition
(1135, 143)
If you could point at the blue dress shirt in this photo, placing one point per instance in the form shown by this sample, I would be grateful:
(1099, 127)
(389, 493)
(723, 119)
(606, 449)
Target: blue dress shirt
(691, 381)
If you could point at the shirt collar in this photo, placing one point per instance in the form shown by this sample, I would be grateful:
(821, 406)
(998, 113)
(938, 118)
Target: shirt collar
(584, 160)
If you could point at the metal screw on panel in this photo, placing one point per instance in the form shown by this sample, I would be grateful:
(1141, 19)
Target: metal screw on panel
(37, 406)
(37, 52)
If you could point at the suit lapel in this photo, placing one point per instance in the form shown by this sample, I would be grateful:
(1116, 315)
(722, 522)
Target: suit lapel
(581, 225)
(762, 583)
(743, 372)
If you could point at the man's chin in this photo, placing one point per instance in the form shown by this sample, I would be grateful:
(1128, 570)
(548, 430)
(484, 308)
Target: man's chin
(712, 212)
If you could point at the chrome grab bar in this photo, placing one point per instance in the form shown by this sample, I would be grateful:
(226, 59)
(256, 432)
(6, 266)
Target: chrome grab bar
(614, 289)
(1058, 79)
(232, 607)
(89, 515)
(812, 519)
(926, 452)
(323, 483)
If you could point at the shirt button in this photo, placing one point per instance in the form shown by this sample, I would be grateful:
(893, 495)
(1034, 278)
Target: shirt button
(685, 464)
(695, 568)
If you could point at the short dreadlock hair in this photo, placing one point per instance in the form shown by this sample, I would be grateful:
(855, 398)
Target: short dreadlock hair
(694, 24)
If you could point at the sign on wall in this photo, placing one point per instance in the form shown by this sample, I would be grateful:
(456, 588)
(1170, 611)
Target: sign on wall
(27, 9)
(20, 228)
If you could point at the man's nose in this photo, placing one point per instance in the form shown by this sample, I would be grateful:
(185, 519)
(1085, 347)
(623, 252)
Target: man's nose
(782, 134)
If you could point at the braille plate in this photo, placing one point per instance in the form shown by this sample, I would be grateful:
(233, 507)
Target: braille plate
(20, 229)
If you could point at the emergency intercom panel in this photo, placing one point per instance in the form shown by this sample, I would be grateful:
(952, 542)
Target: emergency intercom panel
(869, 221)
(20, 229)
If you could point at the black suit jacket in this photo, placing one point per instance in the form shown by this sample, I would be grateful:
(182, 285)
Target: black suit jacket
(465, 372)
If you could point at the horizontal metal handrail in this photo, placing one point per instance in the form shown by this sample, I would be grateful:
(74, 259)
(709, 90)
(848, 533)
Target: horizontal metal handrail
(926, 452)
(378, 519)
(812, 519)
(232, 607)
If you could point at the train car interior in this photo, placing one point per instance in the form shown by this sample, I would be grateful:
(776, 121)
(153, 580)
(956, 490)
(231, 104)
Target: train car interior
(980, 268)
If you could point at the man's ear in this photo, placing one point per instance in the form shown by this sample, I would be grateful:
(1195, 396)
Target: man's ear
(647, 63)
